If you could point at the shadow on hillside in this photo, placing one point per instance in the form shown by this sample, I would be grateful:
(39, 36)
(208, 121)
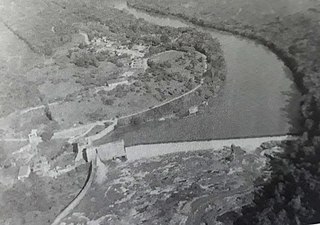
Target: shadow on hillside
(292, 194)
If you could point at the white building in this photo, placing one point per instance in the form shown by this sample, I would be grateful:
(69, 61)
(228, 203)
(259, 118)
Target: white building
(83, 145)
(114, 83)
(34, 139)
(105, 152)
(193, 110)
(111, 150)
(24, 172)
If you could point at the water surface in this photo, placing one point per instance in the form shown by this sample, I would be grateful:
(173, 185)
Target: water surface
(259, 97)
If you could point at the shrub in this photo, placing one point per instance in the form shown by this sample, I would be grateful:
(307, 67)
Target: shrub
(136, 121)
(107, 101)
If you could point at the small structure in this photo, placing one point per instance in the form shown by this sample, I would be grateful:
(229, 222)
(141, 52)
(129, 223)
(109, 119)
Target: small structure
(89, 154)
(115, 82)
(111, 150)
(40, 166)
(34, 139)
(137, 63)
(193, 110)
(127, 74)
(82, 146)
(105, 152)
(24, 172)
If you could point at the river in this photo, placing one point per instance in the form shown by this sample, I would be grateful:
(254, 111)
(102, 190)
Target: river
(259, 97)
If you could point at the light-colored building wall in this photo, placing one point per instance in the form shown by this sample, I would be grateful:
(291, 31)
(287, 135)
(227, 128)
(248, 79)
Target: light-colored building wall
(111, 150)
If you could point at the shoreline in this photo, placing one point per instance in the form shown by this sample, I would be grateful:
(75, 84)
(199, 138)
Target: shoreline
(288, 60)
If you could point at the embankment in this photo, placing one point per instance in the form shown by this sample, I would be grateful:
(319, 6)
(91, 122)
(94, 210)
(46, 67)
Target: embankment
(288, 59)
(152, 150)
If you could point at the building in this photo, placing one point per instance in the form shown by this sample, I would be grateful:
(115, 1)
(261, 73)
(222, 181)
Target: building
(34, 139)
(111, 150)
(115, 82)
(105, 152)
(81, 147)
(24, 172)
(193, 110)
(138, 63)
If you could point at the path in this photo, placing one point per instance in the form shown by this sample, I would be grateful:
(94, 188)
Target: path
(78, 132)
(38, 107)
(14, 139)
(164, 103)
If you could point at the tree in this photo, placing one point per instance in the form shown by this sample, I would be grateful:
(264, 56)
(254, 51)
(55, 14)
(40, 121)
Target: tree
(48, 112)
(46, 132)
(107, 101)
(135, 121)
(164, 38)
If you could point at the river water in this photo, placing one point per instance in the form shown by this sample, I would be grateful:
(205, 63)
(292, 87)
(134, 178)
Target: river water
(259, 97)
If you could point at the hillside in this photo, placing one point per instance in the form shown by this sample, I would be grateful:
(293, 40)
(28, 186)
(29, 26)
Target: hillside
(69, 67)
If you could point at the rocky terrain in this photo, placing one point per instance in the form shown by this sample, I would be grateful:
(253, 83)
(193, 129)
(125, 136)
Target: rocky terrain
(181, 188)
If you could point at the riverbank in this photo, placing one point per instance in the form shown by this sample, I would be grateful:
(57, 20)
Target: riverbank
(258, 85)
(303, 68)
(294, 37)
(287, 58)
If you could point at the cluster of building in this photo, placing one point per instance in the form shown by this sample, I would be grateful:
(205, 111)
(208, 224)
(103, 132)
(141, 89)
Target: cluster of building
(34, 140)
(86, 151)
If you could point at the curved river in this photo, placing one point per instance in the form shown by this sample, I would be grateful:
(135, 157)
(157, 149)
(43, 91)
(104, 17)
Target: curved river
(259, 97)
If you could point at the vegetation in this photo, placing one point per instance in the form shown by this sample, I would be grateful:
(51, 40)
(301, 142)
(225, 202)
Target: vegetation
(291, 30)
(84, 59)
(79, 75)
